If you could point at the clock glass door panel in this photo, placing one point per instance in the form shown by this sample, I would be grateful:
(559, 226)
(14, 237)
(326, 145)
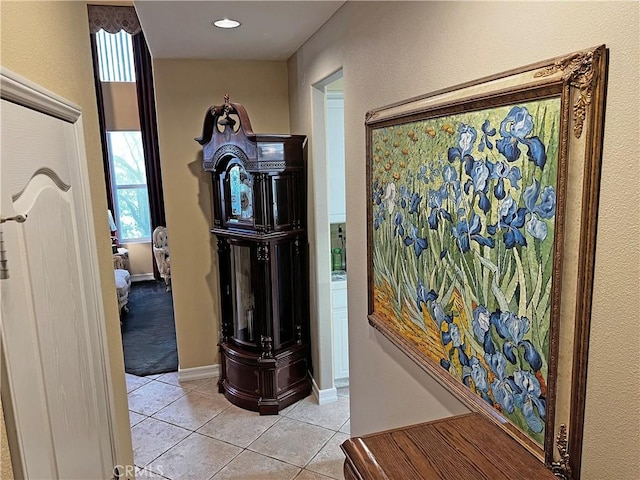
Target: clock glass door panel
(284, 273)
(281, 188)
(242, 294)
(240, 206)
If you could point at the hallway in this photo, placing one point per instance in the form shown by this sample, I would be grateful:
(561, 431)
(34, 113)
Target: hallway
(187, 430)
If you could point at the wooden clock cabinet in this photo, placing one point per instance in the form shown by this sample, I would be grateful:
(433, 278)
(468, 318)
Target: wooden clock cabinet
(259, 209)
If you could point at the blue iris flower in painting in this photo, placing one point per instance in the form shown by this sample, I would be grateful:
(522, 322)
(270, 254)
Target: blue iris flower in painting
(479, 374)
(481, 322)
(435, 200)
(545, 209)
(515, 128)
(479, 172)
(453, 336)
(451, 183)
(379, 217)
(475, 371)
(424, 297)
(501, 171)
(528, 399)
(404, 195)
(466, 139)
(465, 231)
(377, 193)
(434, 308)
(511, 220)
(510, 326)
(419, 243)
(547, 206)
(398, 228)
(503, 388)
(414, 203)
(487, 132)
(422, 174)
(513, 328)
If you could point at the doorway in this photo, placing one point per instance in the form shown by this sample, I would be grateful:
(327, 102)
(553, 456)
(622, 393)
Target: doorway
(330, 236)
(137, 221)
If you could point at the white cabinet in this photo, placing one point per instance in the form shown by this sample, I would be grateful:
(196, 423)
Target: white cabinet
(339, 315)
(335, 156)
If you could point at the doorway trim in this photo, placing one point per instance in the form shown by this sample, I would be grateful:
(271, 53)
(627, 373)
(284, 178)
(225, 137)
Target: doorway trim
(323, 379)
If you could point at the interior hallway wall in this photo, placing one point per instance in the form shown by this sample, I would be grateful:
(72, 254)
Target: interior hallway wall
(184, 91)
(48, 43)
(392, 51)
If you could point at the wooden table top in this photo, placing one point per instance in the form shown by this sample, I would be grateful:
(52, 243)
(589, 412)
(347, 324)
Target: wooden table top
(465, 447)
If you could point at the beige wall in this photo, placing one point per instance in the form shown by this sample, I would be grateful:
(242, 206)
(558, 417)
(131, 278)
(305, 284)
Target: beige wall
(120, 100)
(48, 43)
(121, 113)
(184, 91)
(396, 50)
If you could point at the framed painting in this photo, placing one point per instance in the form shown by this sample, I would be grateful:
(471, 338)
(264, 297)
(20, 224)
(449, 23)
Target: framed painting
(481, 240)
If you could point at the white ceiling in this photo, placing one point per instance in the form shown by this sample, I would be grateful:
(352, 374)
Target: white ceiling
(271, 30)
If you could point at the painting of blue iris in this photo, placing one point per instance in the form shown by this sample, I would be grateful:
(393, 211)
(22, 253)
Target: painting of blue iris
(463, 223)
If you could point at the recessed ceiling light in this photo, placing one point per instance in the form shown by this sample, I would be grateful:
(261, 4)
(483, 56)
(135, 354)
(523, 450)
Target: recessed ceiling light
(226, 23)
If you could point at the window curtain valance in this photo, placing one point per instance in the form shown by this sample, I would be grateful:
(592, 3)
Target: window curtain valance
(113, 19)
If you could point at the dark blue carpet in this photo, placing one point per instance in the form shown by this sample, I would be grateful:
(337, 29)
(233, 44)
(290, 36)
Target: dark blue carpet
(149, 331)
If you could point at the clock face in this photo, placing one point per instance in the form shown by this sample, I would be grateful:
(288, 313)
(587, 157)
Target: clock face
(241, 193)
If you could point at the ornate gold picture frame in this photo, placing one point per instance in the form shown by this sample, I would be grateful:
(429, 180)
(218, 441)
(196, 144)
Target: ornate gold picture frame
(481, 242)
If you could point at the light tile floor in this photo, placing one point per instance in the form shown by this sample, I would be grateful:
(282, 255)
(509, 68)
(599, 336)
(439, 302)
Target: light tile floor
(188, 431)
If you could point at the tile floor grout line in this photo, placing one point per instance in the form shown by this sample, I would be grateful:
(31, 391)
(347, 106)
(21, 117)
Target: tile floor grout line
(318, 452)
(147, 465)
(234, 457)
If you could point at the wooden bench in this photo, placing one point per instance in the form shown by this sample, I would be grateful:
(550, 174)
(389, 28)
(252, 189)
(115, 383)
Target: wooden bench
(465, 447)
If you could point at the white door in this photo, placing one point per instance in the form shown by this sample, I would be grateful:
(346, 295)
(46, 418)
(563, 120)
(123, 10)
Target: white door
(52, 316)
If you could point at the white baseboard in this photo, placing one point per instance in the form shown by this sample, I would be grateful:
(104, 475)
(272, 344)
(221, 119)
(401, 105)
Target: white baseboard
(142, 277)
(341, 382)
(196, 373)
(328, 395)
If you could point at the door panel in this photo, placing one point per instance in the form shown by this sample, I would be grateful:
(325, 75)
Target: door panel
(51, 333)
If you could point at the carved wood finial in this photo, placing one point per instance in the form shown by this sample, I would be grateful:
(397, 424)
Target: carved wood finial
(579, 72)
(227, 105)
(226, 110)
(561, 468)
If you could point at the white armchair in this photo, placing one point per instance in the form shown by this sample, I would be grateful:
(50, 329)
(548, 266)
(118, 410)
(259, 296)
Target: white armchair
(161, 254)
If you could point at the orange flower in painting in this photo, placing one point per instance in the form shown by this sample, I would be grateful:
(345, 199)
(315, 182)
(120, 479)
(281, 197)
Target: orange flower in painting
(396, 176)
(385, 139)
(411, 134)
(391, 161)
(387, 153)
(405, 151)
(387, 167)
(430, 131)
(378, 148)
(448, 128)
(402, 164)
(396, 144)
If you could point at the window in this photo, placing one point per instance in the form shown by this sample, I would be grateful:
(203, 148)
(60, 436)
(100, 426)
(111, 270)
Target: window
(129, 186)
(115, 57)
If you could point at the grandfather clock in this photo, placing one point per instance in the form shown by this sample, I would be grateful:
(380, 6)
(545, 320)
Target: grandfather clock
(260, 209)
